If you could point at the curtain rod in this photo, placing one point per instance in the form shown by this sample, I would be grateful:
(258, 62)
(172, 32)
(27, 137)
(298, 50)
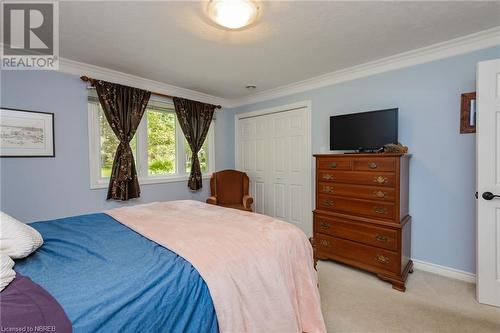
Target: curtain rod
(89, 79)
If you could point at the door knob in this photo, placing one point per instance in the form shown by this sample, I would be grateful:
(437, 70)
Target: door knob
(489, 196)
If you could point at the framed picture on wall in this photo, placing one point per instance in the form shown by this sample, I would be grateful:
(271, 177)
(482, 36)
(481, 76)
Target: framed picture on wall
(468, 113)
(26, 133)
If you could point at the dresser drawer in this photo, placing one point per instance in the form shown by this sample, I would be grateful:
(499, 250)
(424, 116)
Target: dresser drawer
(375, 164)
(334, 164)
(377, 236)
(357, 207)
(329, 246)
(359, 177)
(358, 191)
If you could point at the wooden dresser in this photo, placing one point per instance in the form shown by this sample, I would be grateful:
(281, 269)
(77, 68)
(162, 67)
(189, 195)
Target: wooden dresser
(361, 216)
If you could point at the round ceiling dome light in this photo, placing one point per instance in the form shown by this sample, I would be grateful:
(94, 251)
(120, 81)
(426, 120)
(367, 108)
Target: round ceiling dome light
(232, 14)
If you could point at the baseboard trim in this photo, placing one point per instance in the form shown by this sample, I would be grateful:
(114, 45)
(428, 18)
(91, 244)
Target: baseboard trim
(444, 271)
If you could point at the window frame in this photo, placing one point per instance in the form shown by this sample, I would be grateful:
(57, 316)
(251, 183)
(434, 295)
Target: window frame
(94, 134)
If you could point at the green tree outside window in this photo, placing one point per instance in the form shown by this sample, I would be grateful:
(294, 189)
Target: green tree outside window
(161, 142)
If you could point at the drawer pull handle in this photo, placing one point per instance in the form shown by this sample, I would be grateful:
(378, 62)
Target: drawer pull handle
(382, 259)
(380, 194)
(333, 165)
(380, 180)
(328, 202)
(327, 176)
(373, 165)
(324, 242)
(380, 210)
(325, 225)
(327, 189)
(381, 238)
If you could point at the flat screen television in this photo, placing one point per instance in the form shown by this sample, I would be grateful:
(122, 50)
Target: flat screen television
(366, 131)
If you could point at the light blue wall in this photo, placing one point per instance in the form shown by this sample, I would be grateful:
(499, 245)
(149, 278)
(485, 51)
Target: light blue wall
(442, 180)
(428, 96)
(43, 188)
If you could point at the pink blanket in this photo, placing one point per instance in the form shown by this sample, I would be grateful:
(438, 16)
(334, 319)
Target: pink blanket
(259, 270)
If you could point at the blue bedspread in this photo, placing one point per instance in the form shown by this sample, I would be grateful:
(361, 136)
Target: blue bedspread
(108, 278)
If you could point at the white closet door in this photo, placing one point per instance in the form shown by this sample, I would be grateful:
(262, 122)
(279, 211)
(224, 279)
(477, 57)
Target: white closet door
(273, 151)
(253, 158)
(287, 168)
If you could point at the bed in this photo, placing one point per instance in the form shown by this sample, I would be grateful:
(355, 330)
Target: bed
(108, 278)
(142, 268)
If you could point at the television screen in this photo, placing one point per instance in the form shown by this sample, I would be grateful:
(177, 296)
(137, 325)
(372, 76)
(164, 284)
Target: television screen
(364, 131)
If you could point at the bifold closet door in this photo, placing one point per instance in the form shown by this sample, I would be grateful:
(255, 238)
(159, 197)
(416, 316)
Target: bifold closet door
(272, 151)
(253, 154)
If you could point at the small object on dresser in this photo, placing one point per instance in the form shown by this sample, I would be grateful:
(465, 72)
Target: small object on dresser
(395, 148)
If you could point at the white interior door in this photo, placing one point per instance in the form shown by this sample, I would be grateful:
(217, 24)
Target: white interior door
(488, 182)
(287, 172)
(253, 155)
(273, 149)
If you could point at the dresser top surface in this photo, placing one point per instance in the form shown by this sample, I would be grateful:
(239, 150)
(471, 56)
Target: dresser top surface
(347, 155)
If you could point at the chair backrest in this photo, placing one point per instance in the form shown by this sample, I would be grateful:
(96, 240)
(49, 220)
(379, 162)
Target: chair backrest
(229, 186)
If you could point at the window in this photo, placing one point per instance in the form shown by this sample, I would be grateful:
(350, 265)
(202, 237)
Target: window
(161, 142)
(161, 152)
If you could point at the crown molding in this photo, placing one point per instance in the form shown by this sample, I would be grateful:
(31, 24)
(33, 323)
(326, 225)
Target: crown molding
(461, 45)
(96, 72)
(469, 43)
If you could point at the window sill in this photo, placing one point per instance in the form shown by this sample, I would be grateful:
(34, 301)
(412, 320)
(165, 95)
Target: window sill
(104, 183)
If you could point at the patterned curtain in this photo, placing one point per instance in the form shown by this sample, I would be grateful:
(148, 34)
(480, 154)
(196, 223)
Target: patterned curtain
(123, 107)
(194, 118)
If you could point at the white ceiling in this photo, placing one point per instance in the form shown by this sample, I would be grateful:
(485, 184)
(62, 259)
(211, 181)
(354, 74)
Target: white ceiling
(174, 43)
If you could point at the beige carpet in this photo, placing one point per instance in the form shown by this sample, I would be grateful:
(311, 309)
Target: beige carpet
(355, 301)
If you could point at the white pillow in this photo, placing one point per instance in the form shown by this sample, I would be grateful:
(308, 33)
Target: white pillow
(7, 274)
(17, 239)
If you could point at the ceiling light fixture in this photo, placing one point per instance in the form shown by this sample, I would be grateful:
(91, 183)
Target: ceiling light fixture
(232, 14)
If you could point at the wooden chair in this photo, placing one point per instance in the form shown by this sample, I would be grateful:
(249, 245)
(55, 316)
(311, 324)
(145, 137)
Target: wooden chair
(229, 188)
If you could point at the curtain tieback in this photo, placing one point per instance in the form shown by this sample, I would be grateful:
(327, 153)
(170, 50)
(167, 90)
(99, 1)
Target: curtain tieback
(125, 163)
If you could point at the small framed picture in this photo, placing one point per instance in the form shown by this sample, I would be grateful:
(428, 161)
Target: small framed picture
(468, 113)
(26, 133)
